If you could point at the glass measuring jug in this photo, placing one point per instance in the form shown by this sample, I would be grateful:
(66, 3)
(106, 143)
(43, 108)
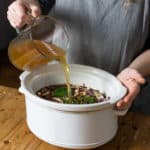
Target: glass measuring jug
(44, 40)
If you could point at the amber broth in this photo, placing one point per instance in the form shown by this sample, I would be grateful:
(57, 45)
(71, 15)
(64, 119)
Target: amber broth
(29, 54)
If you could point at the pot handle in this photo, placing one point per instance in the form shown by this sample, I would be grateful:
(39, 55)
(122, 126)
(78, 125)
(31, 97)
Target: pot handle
(121, 112)
(21, 90)
(22, 76)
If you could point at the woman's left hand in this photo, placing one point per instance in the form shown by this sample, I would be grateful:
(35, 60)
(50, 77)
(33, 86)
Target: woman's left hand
(132, 80)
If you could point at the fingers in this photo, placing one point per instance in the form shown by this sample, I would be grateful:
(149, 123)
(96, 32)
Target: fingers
(16, 15)
(35, 10)
(33, 7)
(131, 79)
(139, 78)
(123, 105)
(12, 19)
(133, 90)
(17, 12)
(125, 102)
(129, 73)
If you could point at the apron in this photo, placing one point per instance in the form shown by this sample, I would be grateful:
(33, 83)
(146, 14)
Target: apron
(107, 34)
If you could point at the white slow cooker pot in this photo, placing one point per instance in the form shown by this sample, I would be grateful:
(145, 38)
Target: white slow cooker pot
(74, 126)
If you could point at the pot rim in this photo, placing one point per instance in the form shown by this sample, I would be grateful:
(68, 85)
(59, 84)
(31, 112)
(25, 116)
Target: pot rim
(67, 107)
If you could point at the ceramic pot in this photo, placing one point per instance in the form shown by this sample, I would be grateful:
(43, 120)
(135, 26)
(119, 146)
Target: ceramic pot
(77, 126)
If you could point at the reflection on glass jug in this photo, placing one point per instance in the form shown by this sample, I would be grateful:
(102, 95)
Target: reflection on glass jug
(44, 40)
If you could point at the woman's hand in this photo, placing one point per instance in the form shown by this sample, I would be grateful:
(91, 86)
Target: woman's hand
(17, 12)
(132, 80)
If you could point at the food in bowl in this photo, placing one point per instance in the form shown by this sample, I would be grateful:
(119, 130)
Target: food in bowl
(80, 94)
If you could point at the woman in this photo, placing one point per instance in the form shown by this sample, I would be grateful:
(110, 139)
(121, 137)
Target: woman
(109, 34)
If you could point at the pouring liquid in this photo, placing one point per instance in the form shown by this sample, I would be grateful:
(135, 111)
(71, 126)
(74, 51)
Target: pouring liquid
(29, 54)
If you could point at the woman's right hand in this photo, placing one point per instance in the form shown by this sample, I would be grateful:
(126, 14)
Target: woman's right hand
(17, 12)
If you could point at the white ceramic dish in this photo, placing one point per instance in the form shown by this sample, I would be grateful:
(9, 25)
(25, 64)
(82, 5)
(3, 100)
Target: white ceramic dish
(68, 125)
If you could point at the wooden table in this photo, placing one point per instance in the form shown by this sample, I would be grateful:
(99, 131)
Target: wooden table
(133, 132)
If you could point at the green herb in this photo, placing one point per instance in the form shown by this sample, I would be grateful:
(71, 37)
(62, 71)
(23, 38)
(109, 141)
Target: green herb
(80, 100)
(60, 92)
(89, 99)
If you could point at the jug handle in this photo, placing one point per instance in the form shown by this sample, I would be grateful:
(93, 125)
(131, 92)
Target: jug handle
(20, 30)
